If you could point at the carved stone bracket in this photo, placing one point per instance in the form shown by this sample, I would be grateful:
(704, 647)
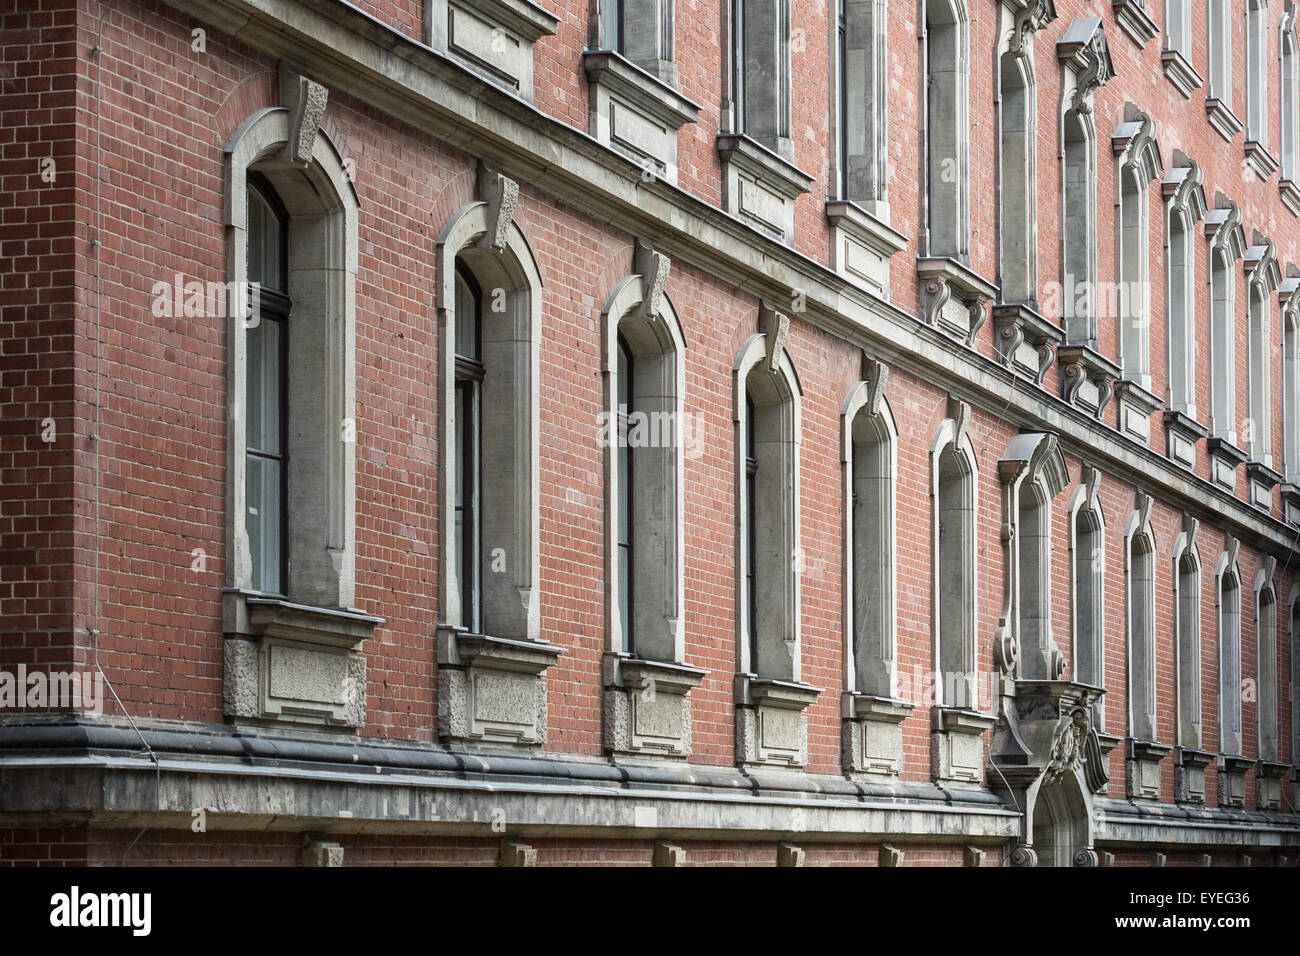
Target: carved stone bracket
(953, 298)
(306, 101)
(502, 196)
(1087, 377)
(1025, 340)
(1085, 50)
(653, 268)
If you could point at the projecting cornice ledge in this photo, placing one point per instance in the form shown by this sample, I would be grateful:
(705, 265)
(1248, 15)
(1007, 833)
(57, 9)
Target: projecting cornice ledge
(356, 55)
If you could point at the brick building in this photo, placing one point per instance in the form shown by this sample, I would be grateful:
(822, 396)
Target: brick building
(730, 431)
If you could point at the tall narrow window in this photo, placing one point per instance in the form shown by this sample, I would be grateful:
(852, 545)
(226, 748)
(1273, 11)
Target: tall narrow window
(1218, 101)
(1088, 560)
(1265, 276)
(1257, 72)
(626, 505)
(1187, 610)
(1227, 244)
(1019, 237)
(1294, 689)
(1185, 206)
(469, 380)
(642, 31)
(767, 481)
(1290, 111)
(1266, 656)
(1291, 381)
(1079, 236)
(1141, 631)
(1139, 163)
(1178, 26)
(864, 121)
(946, 128)
(870, 435)
(1229, 601)
(954, 476)
(266, 388)
(762, 73)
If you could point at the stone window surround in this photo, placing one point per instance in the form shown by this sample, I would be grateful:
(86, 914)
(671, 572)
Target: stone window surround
(1229, 640)
(1290, 300)
(646, 31)
(1187, 637)
(1218, 100)
(1019, 21)
(1086, 505)
(277, 646)
(1032, 472)
(1227, 245)
(1133, 19)
(1177, 53)
(491, 686)
(1257, 88)
(1289, 102)
(1293, 632)
(1267, 717)
(1263, 276)
(1141, 635)
(870, 192)
(951, 437)
(775, 133)
(945, 204)
(1185, 201)
(766, 350)
(867, 407)
(1137, 155)
(647, 687)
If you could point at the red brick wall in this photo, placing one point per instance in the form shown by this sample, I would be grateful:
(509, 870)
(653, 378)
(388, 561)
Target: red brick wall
(168, 111)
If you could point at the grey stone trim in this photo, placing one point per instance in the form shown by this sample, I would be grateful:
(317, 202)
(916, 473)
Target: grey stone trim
(1181, 435)
(1025, 340)
(1290, 193)
(1140, 618)
(1232, 780)
(862, 245)
(492, 690)
(1189, 774)
(1137, 162)
(1185, 206)
(759, 187)
(1087, 531)
(1225, 459)
(647, 707)
(954, 493)
(872, 738)
(1268, 784)
(319, 852)
(516, 853)
(1186, 577)
(1260, 482)
(668, 854)
(635, 113)
(953, 297)
(972, 856)
(492, 38)
(1143, 759)
(771, 726)
(1181, 73)
(890, 855)
(1129, 825)
(1222, 118)
(1132, 17)
(787, 854)
(1136, 406)
(957, 745)
(1087, 378)
(351, 50)
(1260, 159)
(85, 772)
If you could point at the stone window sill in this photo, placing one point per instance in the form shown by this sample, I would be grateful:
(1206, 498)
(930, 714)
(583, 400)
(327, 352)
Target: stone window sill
(1290, 195)
(1133, 20)
(1025, 339)
(461, 648)
(635, 673)
(768, 692)
(1222, 118)
(757, 160)
(959, 720)
(253, 614)
(1181, 73)
(1261, 160)
(651, 95)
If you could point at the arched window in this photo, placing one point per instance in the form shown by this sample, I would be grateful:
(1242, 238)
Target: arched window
(1184, 208)
(291, 227)
(1264, 278)
(870, 452)
(946, 133)
(954, 477)
(1290, 111)
(1187, 628)
(467, 544)
(767, 460)
(1140, 560)
(1291, 378)
(1226, 245)
(1138, 163)
(1228, 601)
(1088, 566)
(1266, 662)
(266, 388)
(1079, 229)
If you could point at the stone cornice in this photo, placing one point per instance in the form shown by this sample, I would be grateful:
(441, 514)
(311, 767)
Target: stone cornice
(357, 55)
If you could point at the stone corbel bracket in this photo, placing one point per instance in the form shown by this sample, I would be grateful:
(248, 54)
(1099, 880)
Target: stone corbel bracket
(1085, 50)
(776, 327)
(1026, 341)
(502, 197)
(1029, 19)
(953, 298)
(306, 101)
(653, 268)
(1087, 377)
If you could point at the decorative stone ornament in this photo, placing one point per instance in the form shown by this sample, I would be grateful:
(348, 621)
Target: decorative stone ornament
(502, 196)
(306, 101)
